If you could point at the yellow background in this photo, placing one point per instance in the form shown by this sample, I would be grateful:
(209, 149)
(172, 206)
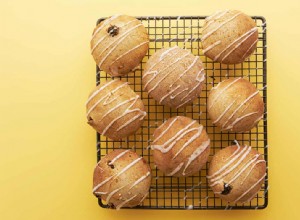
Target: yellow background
(47, 151)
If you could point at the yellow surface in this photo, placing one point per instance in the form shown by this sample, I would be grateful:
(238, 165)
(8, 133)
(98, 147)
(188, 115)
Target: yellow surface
(47, 152)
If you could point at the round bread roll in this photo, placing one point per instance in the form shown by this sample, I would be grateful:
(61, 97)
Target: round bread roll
(235, 105)
(119, 44)
(236, 173)
(180, 147)
(173, 77)
(229, 37)
(122, 179)
(115, 110)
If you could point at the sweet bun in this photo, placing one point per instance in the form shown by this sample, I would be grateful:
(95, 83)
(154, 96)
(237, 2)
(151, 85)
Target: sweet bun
(180, 147)
(119, 44)
(229, 37)
(236, 173)
(173, 77)
(115, 110)
(235, 105)
(122, 179)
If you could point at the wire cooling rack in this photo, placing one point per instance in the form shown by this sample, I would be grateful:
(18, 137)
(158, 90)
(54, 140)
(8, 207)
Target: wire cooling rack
(191, 192)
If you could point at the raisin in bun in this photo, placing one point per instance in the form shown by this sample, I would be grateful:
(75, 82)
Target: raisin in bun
(236, 173)
(115, 110)
(180, 147)
(174, 77)
(122, 179)
(235, 105)
(119, 44)
(229, 37)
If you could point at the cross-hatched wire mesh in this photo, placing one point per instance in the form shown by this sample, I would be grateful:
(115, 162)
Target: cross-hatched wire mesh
(191, 192)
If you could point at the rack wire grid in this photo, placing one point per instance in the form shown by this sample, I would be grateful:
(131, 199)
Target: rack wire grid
(191, 192)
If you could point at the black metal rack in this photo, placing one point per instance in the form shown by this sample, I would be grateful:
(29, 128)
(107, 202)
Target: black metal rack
(192, 192)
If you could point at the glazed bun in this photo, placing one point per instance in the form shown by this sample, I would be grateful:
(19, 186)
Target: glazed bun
(236, 173)
(235, 105)
(115, 110)
(173, 77)
(119, 44)
(122, 179)
(229, 37)
(180, 147)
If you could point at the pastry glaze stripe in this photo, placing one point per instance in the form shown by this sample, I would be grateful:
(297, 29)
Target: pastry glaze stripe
(178, 93)
(249, 33)
(176, 169)
(144, 197)
(195, 154)
(139, 180)
(239, 172)
(132, 49)
(178, 135)
(105, 36)
(141, 116)
(166, 52)
(99, 90)
(213, 17)
(222, 91)
(113, 192)
(250, 48)
(116, 42)
(169, 93)
(118, 174)
(105, 22)
(221, 25)
(104, 97)
(257, 162)
(169, 126)
(237, 120)
(257, 182)
(228, 164)
(194, 137)
(225, 111)
(190, 67)
(127, 111)
(210, 47)
(124, 203)
(236, 151)
(219, 177)
(184, 103)
(235, 111)
(168, 73)
(118, 156)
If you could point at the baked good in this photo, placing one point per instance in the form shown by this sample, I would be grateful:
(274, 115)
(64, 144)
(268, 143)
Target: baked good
(235, 105)
(236, 173)
(122, 179)
(229, 37)
(115, 110)
(173, 77)
(180, 146)
(119, 44)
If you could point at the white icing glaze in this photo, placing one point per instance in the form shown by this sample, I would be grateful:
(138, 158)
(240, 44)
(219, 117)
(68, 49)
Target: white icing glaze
(257, 162)
(144, 197)
(169, 93)
(176, 169)
(124, 203)
(172, 141)
(210, 47)
(116, 43)
(141, 116)
(182, 104)
(222, 91)
(213, 17)
(235, 111)
(190, 67)
(194, 137)
(177, 94)
(236, 151)
(118, 157)
(113, 192)
(140, 180)
(195, 154)
(169, 126)
(237, 120)
(248, 33)
(224, 112)
(105, 97)
(102, 183)
(254, 43)
(99, 90)
(167, 51)
(221, 25)
(246, 192)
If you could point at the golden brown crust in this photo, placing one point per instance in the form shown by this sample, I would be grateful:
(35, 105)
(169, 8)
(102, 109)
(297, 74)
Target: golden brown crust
(236, 173)
(119, 44)
(229, 37)
(235, 105)
(122, 179)
(173, 77)
(115, 110)
(180, 147)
